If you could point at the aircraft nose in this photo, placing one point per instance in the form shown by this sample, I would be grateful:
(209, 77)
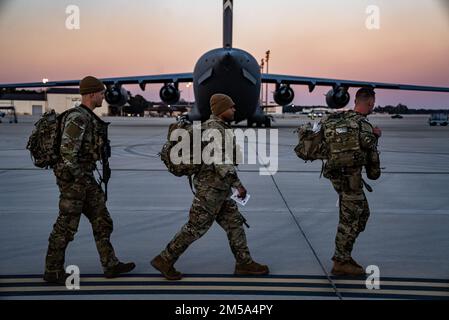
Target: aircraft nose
(227, 59)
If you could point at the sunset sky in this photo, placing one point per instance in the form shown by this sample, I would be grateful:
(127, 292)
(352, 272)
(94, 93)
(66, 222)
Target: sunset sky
(320, 38)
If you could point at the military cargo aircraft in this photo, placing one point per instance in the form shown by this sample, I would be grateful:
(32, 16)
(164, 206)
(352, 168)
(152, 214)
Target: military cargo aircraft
(236, 73)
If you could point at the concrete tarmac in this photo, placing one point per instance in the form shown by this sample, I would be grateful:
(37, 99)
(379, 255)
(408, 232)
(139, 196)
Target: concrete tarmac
(292, 214)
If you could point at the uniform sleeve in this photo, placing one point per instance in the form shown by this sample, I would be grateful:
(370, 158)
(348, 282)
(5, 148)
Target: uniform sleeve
(228, 173)
(368, 139)
(369, 143)
(71, 140)
(225, 170)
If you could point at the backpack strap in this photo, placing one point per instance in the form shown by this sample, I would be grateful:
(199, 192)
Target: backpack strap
(63, 116)
(367, 186)
(191, 184)
(322, 168)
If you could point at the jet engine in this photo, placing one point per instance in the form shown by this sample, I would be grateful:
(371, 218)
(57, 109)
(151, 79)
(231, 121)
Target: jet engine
(337, 98)
(169, 93)
(283, 95)
(116, 96)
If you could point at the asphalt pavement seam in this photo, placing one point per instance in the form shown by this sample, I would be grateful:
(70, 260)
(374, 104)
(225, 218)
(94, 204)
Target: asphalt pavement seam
(302, 232)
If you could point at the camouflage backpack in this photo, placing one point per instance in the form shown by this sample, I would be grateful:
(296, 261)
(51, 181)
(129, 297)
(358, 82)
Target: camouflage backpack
(184, 168)
(311, 144)
(45, 140)
(342, 138)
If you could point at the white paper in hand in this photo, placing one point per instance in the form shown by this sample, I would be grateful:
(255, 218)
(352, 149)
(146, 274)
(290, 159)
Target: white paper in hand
(235, 197)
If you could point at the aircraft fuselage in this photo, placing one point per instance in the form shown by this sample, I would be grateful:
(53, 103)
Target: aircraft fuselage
(230, 71)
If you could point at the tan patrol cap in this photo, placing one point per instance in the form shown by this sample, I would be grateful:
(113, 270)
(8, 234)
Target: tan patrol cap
(90, 84)
(219, 103)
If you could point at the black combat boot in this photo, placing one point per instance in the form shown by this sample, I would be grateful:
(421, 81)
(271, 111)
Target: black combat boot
(118, 269)
(56, 277)
(252, 268)
(166, 268)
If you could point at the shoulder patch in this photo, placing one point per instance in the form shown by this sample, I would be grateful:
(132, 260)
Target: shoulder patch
(72, 130)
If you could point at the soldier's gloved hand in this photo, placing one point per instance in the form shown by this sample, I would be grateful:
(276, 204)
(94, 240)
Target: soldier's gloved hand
(242, 192)
(377, 132)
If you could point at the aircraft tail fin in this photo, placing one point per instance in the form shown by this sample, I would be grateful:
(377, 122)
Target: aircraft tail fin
(228, 8)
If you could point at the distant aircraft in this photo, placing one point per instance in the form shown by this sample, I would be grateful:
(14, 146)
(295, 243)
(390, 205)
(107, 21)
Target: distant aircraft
(236, 73)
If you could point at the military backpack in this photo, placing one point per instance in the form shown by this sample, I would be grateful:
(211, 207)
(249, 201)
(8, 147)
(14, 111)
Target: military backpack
(311, 143)
(45, 140)
(186, 167)
(342, 139)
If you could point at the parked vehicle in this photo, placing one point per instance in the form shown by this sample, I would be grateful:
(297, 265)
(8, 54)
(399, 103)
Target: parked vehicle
(438, 119)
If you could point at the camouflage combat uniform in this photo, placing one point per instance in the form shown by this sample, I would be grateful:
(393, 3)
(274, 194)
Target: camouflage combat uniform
(212, 203)
(79, 191)
(347, 181)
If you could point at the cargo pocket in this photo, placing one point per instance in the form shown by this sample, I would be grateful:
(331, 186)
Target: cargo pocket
(355, 182)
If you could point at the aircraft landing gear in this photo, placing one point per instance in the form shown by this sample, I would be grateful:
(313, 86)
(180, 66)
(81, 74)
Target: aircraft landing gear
(267, 122)
(260, 123)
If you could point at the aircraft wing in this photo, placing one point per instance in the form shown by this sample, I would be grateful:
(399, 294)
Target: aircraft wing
(313, 82)
(140, 80)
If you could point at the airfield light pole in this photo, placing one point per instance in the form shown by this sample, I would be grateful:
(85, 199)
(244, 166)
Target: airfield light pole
(262, 64)
(44, 81)
(267, 58)
(188, 91)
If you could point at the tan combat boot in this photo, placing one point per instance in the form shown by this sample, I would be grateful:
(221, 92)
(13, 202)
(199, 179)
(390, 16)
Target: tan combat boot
(167, 269)
(252, 268)
(355, 263)
(346, 269)
(119, 269)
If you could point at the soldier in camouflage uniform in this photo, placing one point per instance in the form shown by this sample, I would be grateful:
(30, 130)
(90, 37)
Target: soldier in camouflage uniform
(212, 203)
(81, 142)
(348, 183)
